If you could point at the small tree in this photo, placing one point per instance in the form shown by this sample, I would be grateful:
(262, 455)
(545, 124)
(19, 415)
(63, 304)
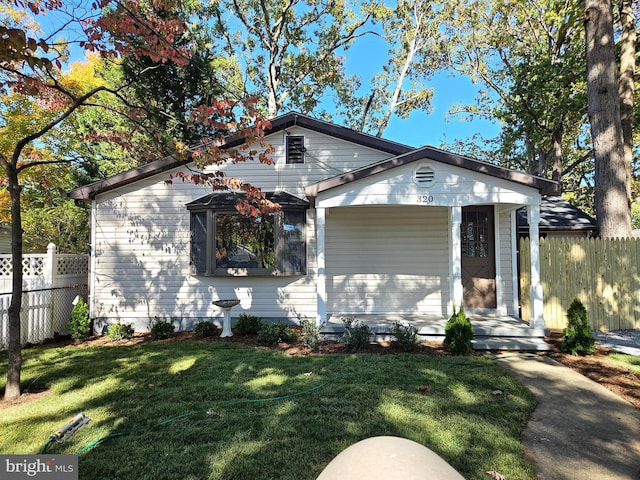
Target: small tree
(577, 338)
(458, 333)
(80, 324)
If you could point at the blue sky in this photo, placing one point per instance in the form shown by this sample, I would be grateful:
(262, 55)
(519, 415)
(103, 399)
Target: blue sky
(436, 128)
(366, 58)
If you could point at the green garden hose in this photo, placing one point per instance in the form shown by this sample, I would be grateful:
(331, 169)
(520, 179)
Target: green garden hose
(189, 414)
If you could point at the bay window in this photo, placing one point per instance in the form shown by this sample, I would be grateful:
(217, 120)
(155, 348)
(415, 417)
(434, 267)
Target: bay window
(224, 242)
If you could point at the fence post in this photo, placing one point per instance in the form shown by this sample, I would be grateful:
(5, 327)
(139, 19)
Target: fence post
(50, 277)
(50, 266)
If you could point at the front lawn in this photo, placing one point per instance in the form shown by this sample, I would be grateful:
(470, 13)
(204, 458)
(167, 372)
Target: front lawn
(197, 410)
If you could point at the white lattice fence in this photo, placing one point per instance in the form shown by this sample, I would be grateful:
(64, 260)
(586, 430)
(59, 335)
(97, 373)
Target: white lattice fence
(50, 283)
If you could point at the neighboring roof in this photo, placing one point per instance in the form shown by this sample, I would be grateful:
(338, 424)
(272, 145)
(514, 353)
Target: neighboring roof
(556, 213)
(224, 200)
(546, 187)
(88, 192)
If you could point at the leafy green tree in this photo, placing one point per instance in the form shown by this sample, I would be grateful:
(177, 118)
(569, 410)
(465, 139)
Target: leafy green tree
(532, 78)
(411, 31)
(169, 91)
(31, 72)
(290, 49)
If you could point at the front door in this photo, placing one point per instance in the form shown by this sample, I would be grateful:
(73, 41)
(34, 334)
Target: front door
(478, 257)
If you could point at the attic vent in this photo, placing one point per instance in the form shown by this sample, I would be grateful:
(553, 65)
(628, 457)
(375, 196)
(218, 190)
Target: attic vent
(425, 176)
(295, 149)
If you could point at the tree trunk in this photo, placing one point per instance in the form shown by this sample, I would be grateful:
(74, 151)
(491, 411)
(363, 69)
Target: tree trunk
(557, 155)
(12, 389)
(613, 212)
(627, 72)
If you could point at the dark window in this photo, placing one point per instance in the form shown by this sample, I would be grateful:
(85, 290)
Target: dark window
(223, 242)
(295, 149)
(475, 234)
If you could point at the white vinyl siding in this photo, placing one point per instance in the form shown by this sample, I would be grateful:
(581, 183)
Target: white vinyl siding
(142, 238)
(387, 260)
(506, 263)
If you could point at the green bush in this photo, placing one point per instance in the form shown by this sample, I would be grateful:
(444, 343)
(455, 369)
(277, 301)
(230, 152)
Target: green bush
(577, 338)
(275, 333)
(162, 329)
(310, 336)
(406, 336)
(458, 333)
(248, 324)
(120, 331)
(356, 335)
(206, 328)
(80, 324)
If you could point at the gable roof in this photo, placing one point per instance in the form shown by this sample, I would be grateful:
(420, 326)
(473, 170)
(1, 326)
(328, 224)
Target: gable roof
(556, 213)
(546, 187)
(89, 192)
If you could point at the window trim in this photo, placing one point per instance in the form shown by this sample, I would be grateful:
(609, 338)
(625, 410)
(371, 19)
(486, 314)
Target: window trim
(210, 244)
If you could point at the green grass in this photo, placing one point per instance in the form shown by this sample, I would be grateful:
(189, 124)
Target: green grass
(629, 362)
(277, 416)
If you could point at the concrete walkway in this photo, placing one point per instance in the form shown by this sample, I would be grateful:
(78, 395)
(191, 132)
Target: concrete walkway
(580, 429)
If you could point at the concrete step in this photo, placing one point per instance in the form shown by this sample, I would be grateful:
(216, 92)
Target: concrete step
(495, 338)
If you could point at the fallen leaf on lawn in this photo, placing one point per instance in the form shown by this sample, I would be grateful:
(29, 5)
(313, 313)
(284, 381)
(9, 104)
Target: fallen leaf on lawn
(308, 374)
(495, 475)
(424, 388)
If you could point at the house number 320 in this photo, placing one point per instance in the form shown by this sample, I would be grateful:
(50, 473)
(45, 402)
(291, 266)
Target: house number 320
(425, 198)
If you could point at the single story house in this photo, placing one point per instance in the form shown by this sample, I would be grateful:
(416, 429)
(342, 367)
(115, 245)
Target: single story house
(368, 227)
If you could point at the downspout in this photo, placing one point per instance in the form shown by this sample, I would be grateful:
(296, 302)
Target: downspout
(92, 259)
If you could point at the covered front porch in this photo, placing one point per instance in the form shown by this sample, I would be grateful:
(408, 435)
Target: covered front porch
(491, 331)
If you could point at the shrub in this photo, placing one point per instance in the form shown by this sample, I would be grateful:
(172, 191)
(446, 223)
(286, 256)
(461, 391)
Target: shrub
(120, 331)
(577, 338)
(356, 335)
(80, 325)
(406, 336)
(206, 328)
(162, 329)
(310, 336)
(458, 333)
(275, 333)
(248, 324)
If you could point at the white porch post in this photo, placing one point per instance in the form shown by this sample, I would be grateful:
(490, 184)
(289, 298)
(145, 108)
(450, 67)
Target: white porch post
(537, 316)
(455, 254)
(321, 283)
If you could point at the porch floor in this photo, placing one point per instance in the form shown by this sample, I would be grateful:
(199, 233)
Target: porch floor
(491, 331)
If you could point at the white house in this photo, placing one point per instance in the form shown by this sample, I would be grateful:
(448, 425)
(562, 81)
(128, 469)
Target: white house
(367, 227)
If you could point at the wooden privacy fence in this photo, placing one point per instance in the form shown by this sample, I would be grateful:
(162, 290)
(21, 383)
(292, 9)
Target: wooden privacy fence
(603, 274)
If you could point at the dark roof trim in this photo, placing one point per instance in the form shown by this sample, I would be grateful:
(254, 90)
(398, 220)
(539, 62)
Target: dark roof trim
(546, 187)
(89, 192)
(297, 119)
(228, 200)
